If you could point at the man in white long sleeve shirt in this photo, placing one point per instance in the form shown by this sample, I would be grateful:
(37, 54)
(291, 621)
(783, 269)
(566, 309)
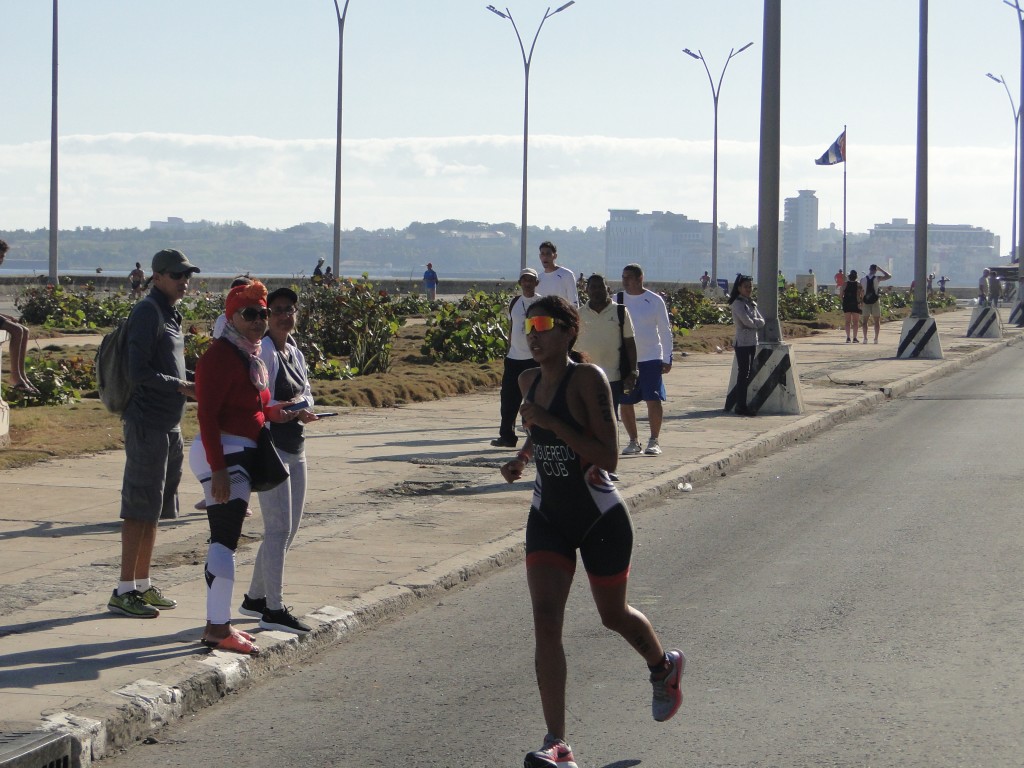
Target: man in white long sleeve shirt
(653, 335)
(555, 280)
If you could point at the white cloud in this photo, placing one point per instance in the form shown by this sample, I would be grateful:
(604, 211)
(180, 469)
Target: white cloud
(121, 179)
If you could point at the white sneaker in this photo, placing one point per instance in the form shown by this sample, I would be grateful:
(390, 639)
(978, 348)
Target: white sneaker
(653, 449)
(633, 449)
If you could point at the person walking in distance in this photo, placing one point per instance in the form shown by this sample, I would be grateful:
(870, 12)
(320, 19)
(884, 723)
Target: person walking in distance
(853, 305)
(748, 320)
(135, 280)
(430, 282)
(153, 446)
(872, 304)
(517, 359)
(606, 337)
(705, 280)
(653, 334)
(556, 280)
(575, 506)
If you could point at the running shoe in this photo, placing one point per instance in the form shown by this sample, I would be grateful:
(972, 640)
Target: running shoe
(554, 754)
(504, 442)
(131, 604)
(153, 596)
(253, 606)
(283, 621)
(653, 449)
(667, 696)
(632, 449)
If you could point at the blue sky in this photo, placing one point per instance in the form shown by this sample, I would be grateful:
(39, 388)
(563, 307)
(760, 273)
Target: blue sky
(224, 110)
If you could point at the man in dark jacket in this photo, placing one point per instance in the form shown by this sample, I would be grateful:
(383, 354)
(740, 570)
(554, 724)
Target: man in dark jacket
(152, 432)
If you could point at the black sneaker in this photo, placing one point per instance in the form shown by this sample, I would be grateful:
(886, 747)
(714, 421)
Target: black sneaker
(504, 442)
(253, 606)
(283, 621)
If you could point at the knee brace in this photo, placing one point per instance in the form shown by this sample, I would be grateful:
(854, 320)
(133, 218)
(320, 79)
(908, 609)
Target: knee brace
(226, 522)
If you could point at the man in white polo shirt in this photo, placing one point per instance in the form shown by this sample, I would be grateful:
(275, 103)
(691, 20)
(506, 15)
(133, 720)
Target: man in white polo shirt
(555, 280)
(606, 334)
(653, 333)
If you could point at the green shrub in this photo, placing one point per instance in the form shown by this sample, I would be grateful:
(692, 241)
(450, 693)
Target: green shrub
(688, 310)
(59, 381)
(54, 306)
(472, 330)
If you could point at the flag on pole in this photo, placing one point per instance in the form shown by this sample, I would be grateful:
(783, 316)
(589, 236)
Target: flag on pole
(834, 154)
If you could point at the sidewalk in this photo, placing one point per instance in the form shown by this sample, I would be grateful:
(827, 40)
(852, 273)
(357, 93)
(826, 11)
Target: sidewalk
(403, 503)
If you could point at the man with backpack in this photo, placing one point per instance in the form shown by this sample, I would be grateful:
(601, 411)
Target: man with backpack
(518, 359)
(872, 305)
(155, 350)
(606, 337)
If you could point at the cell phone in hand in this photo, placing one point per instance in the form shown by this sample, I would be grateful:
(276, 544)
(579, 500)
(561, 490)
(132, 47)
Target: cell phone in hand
(325, 415)
(301, 405)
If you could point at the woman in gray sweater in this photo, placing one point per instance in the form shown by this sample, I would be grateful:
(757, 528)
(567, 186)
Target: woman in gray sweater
(748, 320)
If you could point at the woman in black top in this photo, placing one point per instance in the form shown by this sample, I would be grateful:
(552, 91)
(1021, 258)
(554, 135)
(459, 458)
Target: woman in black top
(567, 411)
(853, 302)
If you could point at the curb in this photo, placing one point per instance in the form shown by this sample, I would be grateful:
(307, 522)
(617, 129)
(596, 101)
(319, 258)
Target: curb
(144, 706)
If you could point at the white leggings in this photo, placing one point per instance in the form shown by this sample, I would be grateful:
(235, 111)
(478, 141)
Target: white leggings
(282, 512)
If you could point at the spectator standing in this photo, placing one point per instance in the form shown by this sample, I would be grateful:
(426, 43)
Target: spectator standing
(318, 271)
(152, 432)
(983, 288)
(135, 279)
(556, 280)
(329, 278)
(232, 387)
(994, 289)
(705, 280)
(853, 304)
(942, 283)
(430, 282)
(282, 506)
(653, 334)
(517, 359)
(19, 343)
(606, 337)
(782, 282)
(931, 278)
(748, 321)
(872, 305)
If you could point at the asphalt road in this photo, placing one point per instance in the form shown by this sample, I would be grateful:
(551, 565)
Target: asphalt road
(853, 601)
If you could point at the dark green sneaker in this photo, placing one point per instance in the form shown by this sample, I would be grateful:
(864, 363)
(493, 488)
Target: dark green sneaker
(155, 597)
(131, 604)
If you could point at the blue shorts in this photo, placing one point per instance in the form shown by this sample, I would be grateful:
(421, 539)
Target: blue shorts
(649, 384)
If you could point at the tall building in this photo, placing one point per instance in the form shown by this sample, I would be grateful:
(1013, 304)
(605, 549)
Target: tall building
(669, 246)
(800, 233)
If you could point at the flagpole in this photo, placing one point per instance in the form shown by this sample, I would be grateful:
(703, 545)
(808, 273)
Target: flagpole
(846, 162)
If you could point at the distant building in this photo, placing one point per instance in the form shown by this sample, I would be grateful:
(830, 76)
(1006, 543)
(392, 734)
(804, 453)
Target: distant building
(669, 246)
(175, 222)
(800, 246)
(958, 251)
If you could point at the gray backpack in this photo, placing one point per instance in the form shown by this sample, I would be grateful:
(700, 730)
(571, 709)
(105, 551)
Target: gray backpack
(112, 379)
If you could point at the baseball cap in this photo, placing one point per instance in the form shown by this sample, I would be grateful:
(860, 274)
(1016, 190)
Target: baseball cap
(172, 260)
(288, 293)
(528, 271)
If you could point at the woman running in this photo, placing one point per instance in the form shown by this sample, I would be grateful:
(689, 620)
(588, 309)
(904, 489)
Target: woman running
(572, 438)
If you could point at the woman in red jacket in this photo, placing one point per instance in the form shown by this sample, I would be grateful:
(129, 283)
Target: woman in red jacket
(232, 390)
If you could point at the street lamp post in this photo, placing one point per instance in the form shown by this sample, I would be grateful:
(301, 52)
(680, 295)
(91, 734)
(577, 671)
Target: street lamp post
(1016, 146)
(54, 230)
(336, 261)
(1019, 245)
(527, 59)
(715, 92)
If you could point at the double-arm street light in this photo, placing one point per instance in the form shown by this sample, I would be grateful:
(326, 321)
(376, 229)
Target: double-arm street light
(527, 59)
(1016, 145)
(715, 91)
(336, 261)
